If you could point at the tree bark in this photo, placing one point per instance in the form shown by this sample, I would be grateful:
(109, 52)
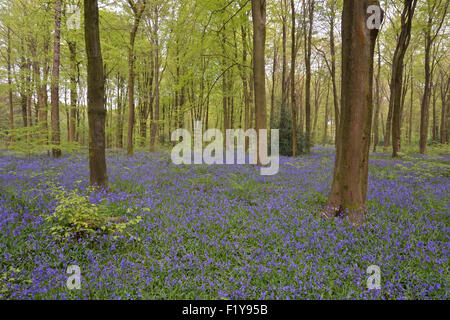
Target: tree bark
(73, 90)
(430, 37)
(333, 68)
(259, 41)
(395, 100)
(155, 122)
(293, 102)
(308, 37)
(349, 188)
(376, 121)
(444, 88)
(96, 96)
(138, 10)
(56, 139)
(10, 92)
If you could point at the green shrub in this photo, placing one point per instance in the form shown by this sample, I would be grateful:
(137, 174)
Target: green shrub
(75, 215)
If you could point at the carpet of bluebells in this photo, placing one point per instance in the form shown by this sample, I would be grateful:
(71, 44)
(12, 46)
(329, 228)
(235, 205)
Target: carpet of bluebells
(226, 232)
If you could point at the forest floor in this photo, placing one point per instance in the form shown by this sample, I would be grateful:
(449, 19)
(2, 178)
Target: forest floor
(222, 232)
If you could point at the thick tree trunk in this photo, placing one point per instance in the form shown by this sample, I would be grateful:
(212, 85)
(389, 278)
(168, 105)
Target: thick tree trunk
(349, 188)
(96, 96)
(259, 79)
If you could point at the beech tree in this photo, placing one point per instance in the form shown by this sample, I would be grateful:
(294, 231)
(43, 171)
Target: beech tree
(349, 188)
(259, 77)
(397, 72)
(436, 12)
(56, 139)
(95, 95)
(137, 9)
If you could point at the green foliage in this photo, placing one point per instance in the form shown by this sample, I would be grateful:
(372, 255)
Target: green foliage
(243, 188)
(76, 215)
(285, 125)
(31, 141)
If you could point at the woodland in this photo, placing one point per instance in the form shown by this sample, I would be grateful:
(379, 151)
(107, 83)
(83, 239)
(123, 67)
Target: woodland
(91, 92)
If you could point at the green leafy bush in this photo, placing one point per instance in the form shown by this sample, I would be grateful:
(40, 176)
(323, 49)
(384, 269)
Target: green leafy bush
(75, 215)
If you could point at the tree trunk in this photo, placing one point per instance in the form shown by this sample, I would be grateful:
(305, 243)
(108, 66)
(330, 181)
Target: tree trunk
(395, 100)
(259, 80)
(96, 96)
(137, 13)
(284, 62)
(308, 38)
(10, 93)
(272, 94)
(73, 90)
(377, 104)
(325, 122)
(155, 122)
(430, 36)
(445, 86)
(56, 140)
(349, 188)
(293, 102)
(434, 132)
(333, 68)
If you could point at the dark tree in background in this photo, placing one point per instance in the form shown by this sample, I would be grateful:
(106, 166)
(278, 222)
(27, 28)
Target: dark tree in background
(95, 95)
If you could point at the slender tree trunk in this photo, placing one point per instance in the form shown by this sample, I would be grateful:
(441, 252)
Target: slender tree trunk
(23, 90)
(259, 79)
(154, 126)
(56, 140)
(272, 94)
(430, 37)
(325, 122)
(96, 96)
(425, 105)
(349, 188)
(137, 13)
(293, 102)
(308, 37)
(73, 90)
(377, 103)
(434, 132)
(445, 86)
(395, 100)
(284, 62)
(333, 68)
(120, 111)
(10, 92)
